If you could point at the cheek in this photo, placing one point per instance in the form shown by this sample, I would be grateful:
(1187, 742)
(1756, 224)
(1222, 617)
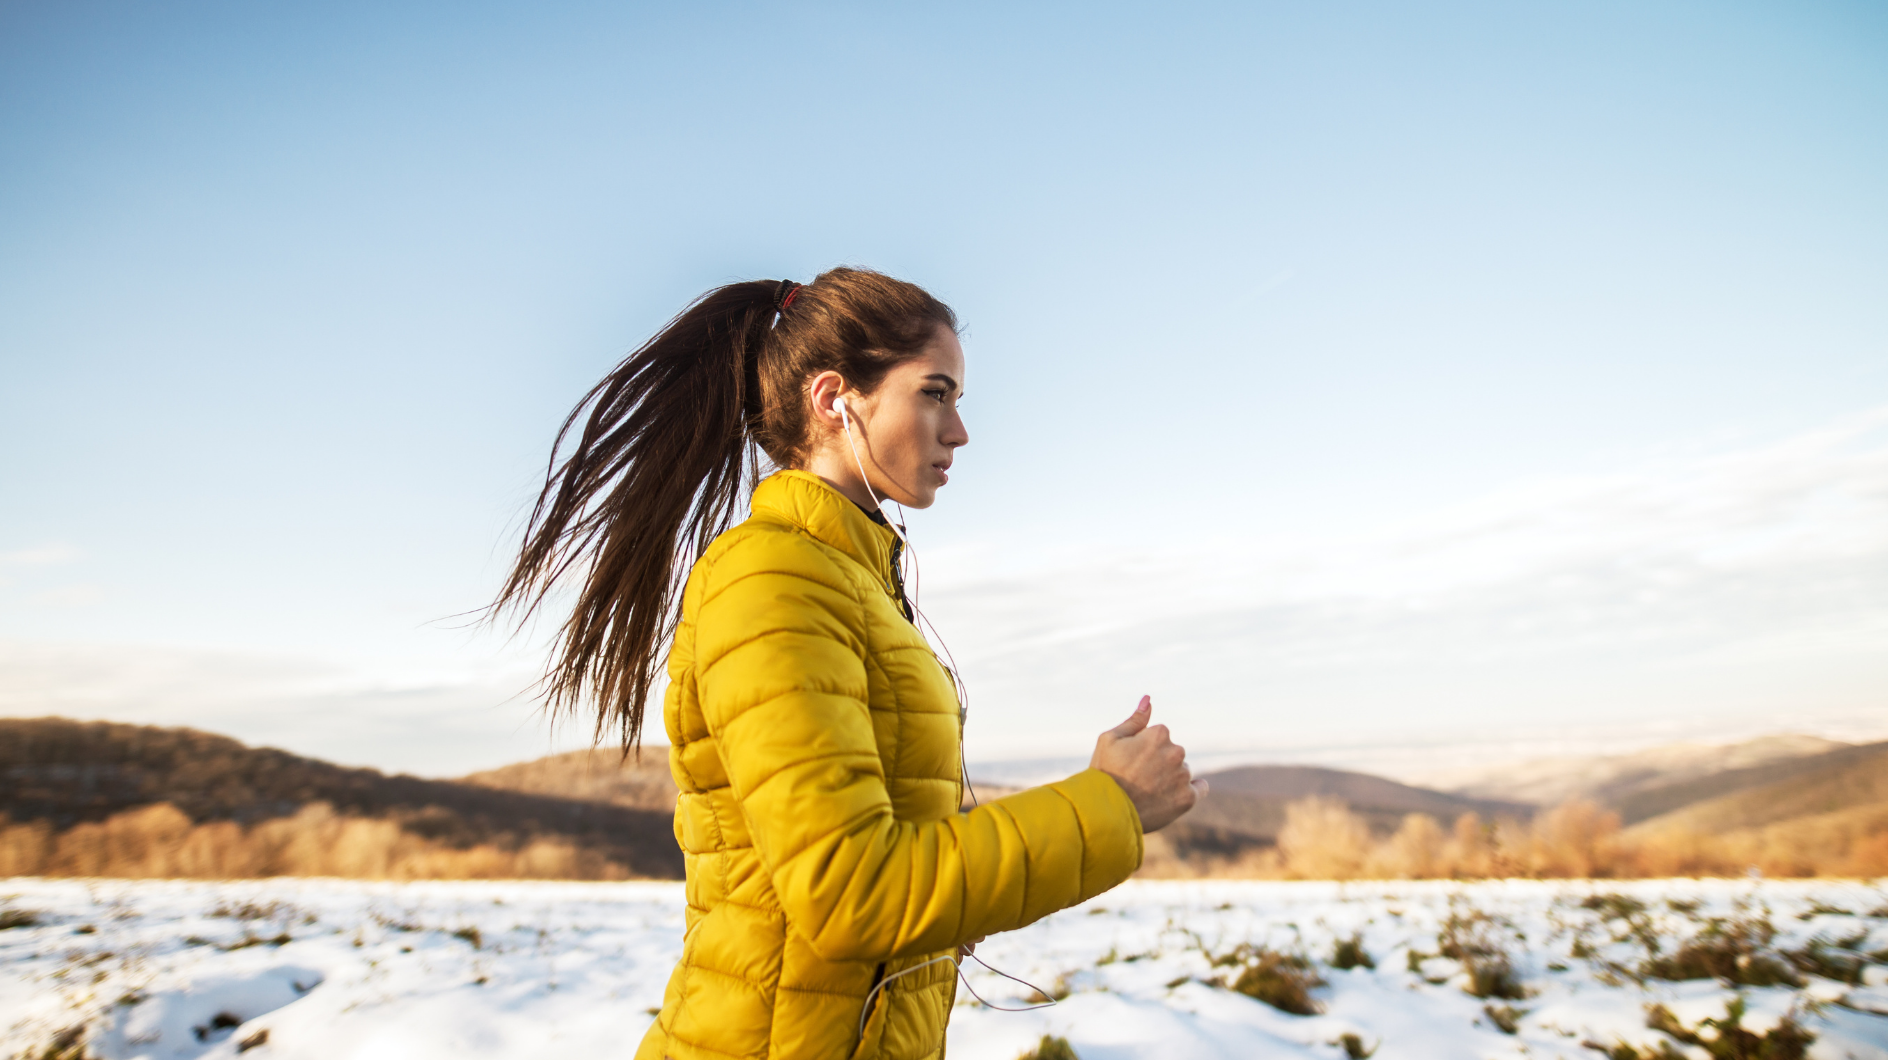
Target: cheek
(913, 433)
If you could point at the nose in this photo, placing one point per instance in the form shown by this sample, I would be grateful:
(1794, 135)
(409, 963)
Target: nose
(955, 433)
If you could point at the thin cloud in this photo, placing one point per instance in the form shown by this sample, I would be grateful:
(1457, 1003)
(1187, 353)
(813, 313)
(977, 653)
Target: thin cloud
(1744, 580)
(43, 556)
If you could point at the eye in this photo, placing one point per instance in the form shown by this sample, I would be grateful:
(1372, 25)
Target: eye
(937, 393)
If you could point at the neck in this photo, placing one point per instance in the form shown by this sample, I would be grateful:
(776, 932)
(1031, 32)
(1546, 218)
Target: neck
(837, 470)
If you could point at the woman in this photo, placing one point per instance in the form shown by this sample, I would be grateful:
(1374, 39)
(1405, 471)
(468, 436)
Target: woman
(813, 734)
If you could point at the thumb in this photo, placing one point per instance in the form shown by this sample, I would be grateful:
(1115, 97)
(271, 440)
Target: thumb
(1136, 721)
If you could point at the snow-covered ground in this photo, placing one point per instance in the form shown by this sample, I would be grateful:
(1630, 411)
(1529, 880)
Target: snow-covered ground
(339, 970)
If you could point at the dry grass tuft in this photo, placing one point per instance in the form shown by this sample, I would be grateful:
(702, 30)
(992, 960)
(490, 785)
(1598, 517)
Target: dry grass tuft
(1479, 941)
(1051, 1048)
(1282, 980)
(18, 918)
(1350, 953)
(1840, 959)
(68, 1044)
(1506, 1018)
(1734, 949)
(1727, 1039)
(1353, 1046)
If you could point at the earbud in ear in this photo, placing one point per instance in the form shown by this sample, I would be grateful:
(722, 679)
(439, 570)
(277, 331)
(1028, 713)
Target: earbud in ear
(839, 406)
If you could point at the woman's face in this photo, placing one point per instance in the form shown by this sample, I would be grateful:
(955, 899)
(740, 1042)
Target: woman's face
(906, 431)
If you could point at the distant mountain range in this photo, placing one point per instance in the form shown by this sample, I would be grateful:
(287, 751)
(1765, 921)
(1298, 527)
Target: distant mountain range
(1612, 780)
(1708, 789)
(1846, 789)
(68, 773)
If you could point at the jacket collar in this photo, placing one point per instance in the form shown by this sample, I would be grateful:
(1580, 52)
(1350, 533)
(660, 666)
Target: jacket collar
(803, 499)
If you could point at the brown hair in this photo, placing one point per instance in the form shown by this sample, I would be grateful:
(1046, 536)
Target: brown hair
(667, 454)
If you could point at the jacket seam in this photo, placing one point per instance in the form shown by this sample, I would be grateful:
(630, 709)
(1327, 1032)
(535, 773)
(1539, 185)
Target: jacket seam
(1081, 829)
(693, 1044)
(785, 989)
(1029, 859)
(745, 641)
(810, 759)
(710, 597)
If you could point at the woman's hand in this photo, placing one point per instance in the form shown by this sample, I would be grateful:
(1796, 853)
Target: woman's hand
(1150, 767)
(970, 947)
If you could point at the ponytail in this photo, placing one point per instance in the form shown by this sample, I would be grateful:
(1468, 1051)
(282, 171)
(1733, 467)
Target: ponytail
(669, 450)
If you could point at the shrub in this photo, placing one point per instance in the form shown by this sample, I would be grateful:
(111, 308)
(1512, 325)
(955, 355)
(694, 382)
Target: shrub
(1323, 840)
(1829, 961)
(1621, 1051)
(68, 1044)
(1734, 949)
(1632, 912)
(252, 911)
(1611, 906)
(1051, 1048)
(1731, 1041)
(249, 940)
(1493, 976)
(1283, 981)
(1574, 839)
(159, 841)
(1474, 938)
(1353, 1046)
(17, 918)
(1349, 953)
(1505, 1017)
(1418, 850)
(1820, 908)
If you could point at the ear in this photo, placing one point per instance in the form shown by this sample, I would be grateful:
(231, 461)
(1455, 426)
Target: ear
(826, 393)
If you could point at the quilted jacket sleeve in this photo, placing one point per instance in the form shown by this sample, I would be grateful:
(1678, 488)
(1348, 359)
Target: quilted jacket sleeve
(781, 665)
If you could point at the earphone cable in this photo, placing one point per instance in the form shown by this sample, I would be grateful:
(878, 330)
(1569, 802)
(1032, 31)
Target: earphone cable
(957, 964)
(1040, 992)
(917, 590)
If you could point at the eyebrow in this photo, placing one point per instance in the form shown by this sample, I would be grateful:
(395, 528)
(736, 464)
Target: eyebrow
(942, 378)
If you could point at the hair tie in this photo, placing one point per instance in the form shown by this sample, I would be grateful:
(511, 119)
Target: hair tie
(783, 295)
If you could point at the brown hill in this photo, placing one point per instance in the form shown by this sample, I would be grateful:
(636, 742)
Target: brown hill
(1849, 779)
(68, 775)
(595, 775)
(1790, 782)
(1251, 800)
(1611, 779)
(1829, 817)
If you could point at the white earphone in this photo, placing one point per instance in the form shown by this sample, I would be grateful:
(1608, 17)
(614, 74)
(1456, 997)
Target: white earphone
(845, 420)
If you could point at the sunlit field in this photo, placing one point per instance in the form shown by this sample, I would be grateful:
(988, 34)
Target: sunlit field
(337, 969)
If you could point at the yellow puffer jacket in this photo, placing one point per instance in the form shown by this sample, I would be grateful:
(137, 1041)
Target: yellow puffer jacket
(815, 739)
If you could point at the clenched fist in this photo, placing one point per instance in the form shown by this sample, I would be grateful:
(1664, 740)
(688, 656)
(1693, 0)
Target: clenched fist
(1150, 767)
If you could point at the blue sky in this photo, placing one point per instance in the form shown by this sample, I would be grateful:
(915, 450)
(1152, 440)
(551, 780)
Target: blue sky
(1344, 376)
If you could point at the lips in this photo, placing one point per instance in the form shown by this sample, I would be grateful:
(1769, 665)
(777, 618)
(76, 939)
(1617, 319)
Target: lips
(943, 472)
